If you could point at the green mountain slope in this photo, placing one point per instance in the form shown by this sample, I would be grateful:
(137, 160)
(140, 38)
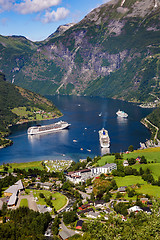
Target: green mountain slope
(113, 52)
(15, 99)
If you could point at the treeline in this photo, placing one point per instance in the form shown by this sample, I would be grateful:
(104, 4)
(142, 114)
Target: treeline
(24, 224)
(33, 173)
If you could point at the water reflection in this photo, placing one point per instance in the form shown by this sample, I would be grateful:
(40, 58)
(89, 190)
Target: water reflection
(62, 136)
(105, 150)
(122, 121)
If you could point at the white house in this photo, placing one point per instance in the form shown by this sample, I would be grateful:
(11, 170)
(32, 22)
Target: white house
(134, 209)
(93, 215)
(104, 169)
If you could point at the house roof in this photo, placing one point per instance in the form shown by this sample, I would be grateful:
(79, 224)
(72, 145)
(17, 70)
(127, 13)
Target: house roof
(84, 206)
(44, 208)
(86, 210)
(99, 202)
(19, 185)
(146, 209)
(135, 208)
(1, 204)
(14, 188)
(44, 184)
(123, 188)
(65, 234)
(12, 199)
(94, 214)
(79, 223)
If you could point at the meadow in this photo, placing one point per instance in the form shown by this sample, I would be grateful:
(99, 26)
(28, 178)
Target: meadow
(151, 154)
(25, 165)
(154, 167)
(58, 203)
(129, 180)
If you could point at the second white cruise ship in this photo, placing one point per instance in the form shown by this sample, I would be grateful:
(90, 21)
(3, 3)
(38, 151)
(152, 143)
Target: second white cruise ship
(121, 114)
(104, 138)
(48, 128)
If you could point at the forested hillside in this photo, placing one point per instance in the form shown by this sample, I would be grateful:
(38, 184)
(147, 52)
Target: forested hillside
(15, 99)
(113, 52)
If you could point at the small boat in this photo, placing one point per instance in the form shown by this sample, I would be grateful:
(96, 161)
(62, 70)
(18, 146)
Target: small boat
(81, 149)
(100, 114)
(74, 140)
(88, 150)
(85, 128)
(121, 114)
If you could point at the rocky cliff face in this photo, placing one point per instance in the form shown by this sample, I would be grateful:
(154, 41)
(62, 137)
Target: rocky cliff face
(113, 52)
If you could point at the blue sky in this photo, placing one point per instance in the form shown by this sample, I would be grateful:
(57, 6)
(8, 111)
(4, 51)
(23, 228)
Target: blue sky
(37, 19)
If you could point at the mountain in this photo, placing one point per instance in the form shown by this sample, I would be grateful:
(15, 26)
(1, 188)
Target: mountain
(113, 52)
(20, 105)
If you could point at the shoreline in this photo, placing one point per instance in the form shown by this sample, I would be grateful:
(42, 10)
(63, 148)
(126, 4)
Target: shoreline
(20, 123)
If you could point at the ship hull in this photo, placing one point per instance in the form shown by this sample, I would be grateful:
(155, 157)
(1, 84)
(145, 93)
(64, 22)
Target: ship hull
(104, 138)
(121, 114)
(48, 128)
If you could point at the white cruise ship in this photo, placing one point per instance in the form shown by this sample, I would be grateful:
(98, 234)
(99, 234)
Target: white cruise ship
(104, 138)
(48, 128)
(121, 114)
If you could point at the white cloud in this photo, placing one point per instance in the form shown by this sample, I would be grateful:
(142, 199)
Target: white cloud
(54, 16)
(31, 6)
(6, 5)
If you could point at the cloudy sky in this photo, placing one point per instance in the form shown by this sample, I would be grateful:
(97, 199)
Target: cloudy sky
(37, 19)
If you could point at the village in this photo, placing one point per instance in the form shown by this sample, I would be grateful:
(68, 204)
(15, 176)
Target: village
(88, 193)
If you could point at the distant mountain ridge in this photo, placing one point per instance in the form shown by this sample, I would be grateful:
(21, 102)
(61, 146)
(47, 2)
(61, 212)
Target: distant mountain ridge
(113, 52)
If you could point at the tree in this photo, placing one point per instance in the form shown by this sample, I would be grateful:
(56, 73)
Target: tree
(141, 171)
(118, 156)
(130, 148)
(69, 217)
(131, 161)
(41, 195)
(143, 160)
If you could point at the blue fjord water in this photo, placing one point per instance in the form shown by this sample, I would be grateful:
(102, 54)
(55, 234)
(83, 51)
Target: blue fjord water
(83, 115)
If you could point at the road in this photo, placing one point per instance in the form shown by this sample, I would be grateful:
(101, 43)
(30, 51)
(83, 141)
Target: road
(31, 203)
(157, 129)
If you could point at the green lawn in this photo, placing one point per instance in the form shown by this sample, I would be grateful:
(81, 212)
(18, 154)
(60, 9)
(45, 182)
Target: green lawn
(154, 167)
(25, 165)
(58, 203)
(24, 203)
(149, 189)
(21, 111)
(129, 180)
(106, 159)
(151, 154)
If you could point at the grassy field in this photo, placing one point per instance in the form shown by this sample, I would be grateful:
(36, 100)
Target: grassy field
(151, 154)
(24, 203)
(149, 189)
(129, 180)
(154, 167)
(106, 159)
(58, 203)
(25, 165)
